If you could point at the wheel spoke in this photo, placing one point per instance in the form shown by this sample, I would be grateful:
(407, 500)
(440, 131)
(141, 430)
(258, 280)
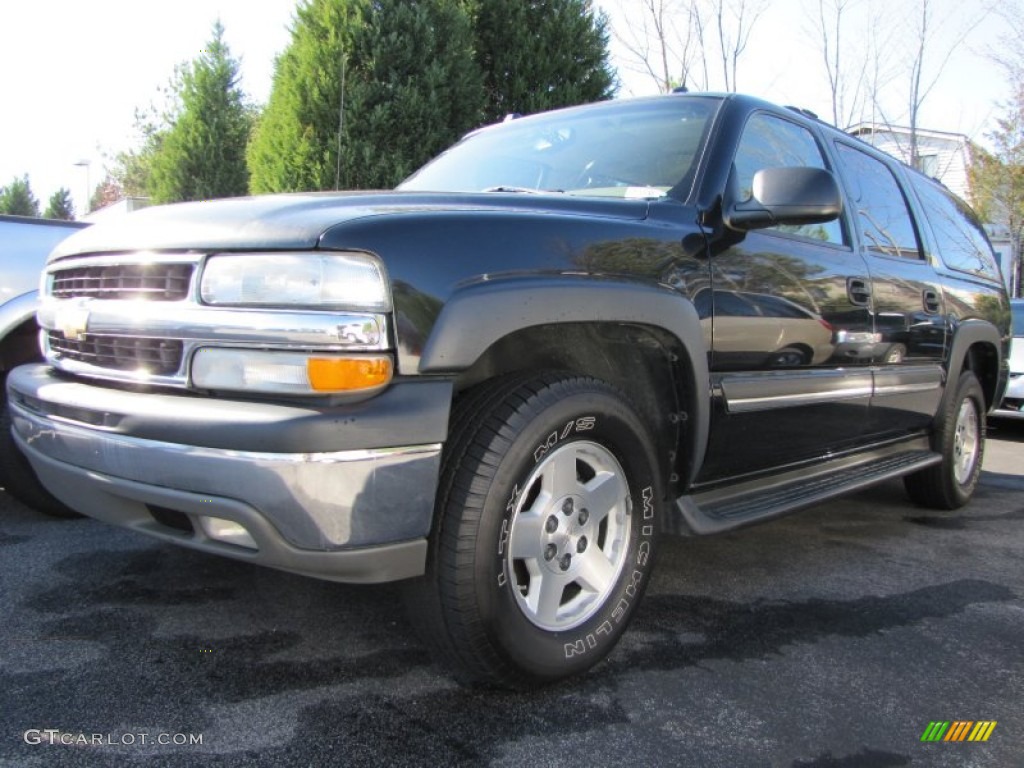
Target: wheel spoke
(559, 477)
(604, 492)
(548, 598)
(596, 571)
(525, 541)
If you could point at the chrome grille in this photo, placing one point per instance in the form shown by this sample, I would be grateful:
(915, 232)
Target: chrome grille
(160, 357)
(155, 282)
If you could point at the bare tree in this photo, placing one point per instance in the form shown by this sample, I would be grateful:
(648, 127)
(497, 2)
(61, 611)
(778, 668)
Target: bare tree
(832, 26)
(734, 23)
(664, 40)
(676, 42)
(1010, 54)
(918, 92)
(922, 67)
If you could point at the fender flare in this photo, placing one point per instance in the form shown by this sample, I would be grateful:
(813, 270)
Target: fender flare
(15, 312)
(967, 334)
(478, 315)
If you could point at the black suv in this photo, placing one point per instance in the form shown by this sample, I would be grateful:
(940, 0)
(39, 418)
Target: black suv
(566, 335)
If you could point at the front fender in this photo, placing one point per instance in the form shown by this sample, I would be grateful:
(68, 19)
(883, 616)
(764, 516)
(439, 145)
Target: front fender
(479, 315)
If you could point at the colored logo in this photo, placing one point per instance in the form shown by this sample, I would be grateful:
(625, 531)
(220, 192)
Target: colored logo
(958, 730)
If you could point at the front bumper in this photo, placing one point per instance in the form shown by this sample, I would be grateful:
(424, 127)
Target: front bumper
(335, 511)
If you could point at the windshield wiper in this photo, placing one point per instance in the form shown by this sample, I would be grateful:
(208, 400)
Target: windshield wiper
(523, 190)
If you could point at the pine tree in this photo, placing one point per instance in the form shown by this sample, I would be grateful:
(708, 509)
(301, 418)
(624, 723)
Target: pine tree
(17, 199)
(107, 192)
(398, 76)
(131, 171)
(201, 155)
(60, 206)
(541, 54)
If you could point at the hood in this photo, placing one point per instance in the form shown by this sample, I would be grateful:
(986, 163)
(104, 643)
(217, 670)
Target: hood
(296, 221)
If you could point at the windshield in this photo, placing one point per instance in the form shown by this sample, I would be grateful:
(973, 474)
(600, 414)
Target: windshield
(640, 149)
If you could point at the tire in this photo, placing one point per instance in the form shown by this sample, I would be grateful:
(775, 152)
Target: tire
(535, 572)
(789, 357)
(895, 354)
(17, 476)
(959, 435)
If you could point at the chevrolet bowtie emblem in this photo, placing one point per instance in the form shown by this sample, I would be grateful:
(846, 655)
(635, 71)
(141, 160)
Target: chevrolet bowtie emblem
(73, 322)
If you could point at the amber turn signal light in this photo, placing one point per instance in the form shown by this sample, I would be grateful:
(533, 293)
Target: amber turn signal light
(348, 374)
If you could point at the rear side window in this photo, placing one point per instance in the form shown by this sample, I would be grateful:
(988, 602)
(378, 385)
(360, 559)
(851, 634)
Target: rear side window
(885, 222)
(771, 142)
(959, 236)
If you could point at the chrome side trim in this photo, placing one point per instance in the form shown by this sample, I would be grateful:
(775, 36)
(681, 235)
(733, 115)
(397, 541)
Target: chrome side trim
(744, 393)
(901, 380)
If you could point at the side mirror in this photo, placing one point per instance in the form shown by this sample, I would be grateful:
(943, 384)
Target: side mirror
(784, 196)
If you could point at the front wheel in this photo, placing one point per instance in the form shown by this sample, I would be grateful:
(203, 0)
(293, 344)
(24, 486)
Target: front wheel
(959, 435)
(546, 528)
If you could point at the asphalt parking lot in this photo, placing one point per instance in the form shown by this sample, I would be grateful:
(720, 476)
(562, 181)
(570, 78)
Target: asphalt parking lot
(828, 639)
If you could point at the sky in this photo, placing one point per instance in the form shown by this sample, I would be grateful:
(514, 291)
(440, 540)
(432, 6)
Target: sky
(75, 71)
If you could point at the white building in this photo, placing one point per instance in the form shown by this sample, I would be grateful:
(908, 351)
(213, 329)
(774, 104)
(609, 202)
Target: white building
(115, 210)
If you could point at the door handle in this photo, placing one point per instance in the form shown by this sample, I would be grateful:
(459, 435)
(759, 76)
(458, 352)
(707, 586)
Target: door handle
(932, 303)
(859, 291)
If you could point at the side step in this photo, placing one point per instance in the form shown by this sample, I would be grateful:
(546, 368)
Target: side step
(733, 507)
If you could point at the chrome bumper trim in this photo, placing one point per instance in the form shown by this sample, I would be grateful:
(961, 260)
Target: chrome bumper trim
(312, 503)
(206, 326)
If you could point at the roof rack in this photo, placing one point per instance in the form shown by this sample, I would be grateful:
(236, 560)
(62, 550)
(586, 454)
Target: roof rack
(802, 111)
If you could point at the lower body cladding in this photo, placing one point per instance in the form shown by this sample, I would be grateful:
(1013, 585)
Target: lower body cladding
(352, 515)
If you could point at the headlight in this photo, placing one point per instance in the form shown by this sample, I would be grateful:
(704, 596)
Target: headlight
(296, 373)
(343, 281)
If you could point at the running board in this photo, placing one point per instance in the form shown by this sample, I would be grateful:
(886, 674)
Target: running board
(733, 507)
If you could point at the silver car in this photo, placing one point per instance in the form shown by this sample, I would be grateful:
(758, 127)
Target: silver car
(24, 245)
(1013, 402)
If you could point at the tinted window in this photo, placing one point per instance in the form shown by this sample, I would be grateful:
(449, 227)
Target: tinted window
(743, 304)
(615, 149)
(771, 142)
(773, 306)
(734, 305)
(1017, 307)
(958, 234)
(885, 221)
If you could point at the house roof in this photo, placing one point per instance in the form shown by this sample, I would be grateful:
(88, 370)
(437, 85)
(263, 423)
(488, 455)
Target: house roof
(863, 129)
